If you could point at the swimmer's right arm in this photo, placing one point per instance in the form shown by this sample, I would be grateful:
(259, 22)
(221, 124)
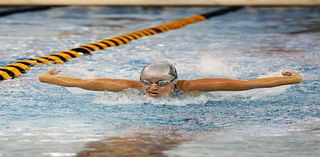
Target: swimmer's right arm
(99, 84)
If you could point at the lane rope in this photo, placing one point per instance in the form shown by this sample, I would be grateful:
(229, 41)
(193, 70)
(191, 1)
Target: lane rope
(16, 69)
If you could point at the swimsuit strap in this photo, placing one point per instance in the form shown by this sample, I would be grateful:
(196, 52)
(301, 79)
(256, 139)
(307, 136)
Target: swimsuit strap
(176, 92)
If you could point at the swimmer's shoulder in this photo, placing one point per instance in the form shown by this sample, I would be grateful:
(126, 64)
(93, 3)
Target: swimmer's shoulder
(183, 85)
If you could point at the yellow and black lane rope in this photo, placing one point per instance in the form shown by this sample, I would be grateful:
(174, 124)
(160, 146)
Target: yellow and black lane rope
(16, 69)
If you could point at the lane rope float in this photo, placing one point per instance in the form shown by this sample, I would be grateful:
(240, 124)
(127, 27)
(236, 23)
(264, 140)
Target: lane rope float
(18, 68)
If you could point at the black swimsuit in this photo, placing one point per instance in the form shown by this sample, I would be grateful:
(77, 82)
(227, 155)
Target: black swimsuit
(176, 92)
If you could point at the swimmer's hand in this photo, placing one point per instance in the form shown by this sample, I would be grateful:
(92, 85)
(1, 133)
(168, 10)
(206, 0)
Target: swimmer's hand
(50, 72)
(297, 78)
(45, 76)
(49, 76)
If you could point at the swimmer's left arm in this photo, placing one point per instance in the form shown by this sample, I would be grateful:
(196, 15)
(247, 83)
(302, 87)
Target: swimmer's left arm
(225, 84)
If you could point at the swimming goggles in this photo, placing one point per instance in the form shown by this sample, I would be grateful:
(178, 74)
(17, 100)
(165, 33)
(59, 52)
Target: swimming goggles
(161, 83)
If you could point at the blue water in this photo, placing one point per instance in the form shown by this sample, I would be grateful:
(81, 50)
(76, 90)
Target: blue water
(38, 119)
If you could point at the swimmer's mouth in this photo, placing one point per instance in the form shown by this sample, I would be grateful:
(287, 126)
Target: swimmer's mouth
(153, 92)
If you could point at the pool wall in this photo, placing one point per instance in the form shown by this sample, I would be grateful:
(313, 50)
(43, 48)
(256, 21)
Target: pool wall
(161, 3)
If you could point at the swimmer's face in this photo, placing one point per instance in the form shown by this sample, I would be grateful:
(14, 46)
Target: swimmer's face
(157, 87)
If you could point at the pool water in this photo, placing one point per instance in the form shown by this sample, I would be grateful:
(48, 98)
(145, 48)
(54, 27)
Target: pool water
(38, 119)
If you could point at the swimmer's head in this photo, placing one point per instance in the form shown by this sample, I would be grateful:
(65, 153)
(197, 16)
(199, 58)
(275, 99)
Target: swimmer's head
(159, 70)
(158, 79)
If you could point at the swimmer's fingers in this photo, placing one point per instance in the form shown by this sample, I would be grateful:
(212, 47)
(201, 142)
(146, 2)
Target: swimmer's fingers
(290, 73)
(48, 76)
(51, 72)
(287, 73)
(293, 74)
(54, 71)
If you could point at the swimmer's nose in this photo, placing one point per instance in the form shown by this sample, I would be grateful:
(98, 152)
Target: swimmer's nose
(153, 86)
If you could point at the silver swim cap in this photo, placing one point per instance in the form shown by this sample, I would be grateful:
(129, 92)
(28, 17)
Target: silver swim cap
(159, 70)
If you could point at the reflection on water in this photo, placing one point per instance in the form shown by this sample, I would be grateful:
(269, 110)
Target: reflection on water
(313, 28)
(137, 145)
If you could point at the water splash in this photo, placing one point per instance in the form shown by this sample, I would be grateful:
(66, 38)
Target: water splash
(216, 66)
